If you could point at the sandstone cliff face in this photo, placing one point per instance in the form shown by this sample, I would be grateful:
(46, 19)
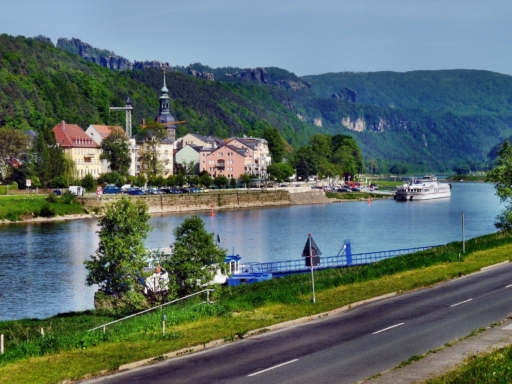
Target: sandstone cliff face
(257, 74)
(358, 125)
(202, 75)
(293, 85)
(317, 121)
(106, 58)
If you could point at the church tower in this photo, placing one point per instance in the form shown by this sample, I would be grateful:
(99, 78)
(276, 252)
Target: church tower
(164, 115)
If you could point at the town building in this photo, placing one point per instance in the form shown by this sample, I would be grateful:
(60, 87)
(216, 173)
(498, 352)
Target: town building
(198, 140)
(189, 157)
(99, 132)
(227, 160)
(80, 147)
(258, 156)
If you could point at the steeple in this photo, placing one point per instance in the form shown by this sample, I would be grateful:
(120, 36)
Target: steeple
(164, 99)
(164, 115)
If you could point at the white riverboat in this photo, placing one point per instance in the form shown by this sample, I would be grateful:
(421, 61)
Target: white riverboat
(423, 189)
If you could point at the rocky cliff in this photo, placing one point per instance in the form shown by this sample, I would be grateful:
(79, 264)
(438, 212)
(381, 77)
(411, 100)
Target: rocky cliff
(105, 58)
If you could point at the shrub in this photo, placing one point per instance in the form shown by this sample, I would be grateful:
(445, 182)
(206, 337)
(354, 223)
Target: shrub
(51, 198)
(47, 211)
(67, 197)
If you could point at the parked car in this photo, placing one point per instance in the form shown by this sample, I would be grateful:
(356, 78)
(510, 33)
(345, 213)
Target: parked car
(135, 191)
(356, 189)
(111, 189)
(344, 189)
(57, 192)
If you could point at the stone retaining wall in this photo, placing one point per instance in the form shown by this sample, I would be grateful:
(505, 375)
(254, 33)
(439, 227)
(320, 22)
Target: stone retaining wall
(199, 201)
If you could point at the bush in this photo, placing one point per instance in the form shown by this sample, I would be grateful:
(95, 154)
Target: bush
(51, 198)
(47, 211)
(67, 198)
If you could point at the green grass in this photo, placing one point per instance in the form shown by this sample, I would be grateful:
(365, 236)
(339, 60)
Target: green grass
(67, 351)
(493, 368)
(22, 207)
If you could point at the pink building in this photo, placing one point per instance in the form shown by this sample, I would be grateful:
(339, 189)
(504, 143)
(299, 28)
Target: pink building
(257, 158)
(226, 160)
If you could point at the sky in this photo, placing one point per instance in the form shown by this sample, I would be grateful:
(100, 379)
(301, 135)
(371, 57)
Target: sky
(303, 36)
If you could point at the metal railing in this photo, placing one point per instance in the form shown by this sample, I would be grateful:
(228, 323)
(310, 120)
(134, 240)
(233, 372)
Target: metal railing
(104, 326)
(339, 261)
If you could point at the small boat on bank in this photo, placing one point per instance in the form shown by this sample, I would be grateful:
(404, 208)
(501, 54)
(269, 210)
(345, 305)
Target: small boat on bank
(426, 188)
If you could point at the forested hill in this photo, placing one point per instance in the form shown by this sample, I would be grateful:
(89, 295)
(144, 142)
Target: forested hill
(457, 91)
(429, 120)
(41, 85)
(432, 120)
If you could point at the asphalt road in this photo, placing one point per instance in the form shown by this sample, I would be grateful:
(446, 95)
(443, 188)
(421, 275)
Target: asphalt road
(349, 346)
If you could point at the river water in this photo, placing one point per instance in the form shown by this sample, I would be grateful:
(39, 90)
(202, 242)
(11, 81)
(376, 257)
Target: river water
(41, 264)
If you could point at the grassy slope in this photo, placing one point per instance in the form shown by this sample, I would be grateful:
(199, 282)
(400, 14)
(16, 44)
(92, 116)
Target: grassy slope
(237, 310)
(20, 207)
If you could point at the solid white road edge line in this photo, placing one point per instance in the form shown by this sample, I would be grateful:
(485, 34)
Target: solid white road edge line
(462, 302)
(508, 286)
(385, 329)
(276, 366)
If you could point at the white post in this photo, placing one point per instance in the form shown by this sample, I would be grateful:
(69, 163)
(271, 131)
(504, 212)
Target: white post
(42, 332)
(2, 344)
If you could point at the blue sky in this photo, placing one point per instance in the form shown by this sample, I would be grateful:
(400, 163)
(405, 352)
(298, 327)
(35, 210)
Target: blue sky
(305, 37)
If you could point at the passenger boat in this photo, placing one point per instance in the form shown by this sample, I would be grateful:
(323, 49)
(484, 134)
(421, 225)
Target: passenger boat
(423, 189)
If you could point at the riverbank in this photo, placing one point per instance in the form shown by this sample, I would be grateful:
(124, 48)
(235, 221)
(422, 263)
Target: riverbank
(69, 352)
(91, 206)
(27, 209)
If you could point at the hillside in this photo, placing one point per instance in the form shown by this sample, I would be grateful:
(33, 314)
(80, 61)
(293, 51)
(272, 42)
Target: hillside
(41, 85)
(429, 120)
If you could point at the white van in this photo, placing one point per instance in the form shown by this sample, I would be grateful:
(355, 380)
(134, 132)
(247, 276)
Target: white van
(76, 190)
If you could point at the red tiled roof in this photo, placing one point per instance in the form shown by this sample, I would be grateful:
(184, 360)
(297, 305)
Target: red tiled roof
(105, 130)
(72, 136)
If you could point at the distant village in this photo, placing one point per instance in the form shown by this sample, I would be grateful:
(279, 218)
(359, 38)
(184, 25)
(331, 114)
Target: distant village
(229, 157)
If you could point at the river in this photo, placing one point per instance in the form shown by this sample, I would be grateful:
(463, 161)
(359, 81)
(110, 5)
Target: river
(41, 264)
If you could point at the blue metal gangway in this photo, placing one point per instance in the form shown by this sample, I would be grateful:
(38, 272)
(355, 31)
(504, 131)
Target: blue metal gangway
(347, 259)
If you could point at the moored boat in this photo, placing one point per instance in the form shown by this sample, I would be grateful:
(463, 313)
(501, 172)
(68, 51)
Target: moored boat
(426, 188)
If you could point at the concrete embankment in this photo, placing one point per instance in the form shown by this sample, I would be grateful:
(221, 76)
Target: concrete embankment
(237, 199)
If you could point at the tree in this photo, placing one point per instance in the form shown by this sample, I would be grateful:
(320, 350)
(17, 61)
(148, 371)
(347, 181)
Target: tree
(88, 182)
(206, 179)
(121, 255)
(280, 171)
(302, 169)
(501, 177)
(112, 178)
(116, 150)
(195, 259)
(233, 182)
(221, 181)
(151, 136)
(245, 179)
(13, 144)
(276, 144)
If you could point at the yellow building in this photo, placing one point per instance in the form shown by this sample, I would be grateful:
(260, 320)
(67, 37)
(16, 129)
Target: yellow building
(81, 148)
